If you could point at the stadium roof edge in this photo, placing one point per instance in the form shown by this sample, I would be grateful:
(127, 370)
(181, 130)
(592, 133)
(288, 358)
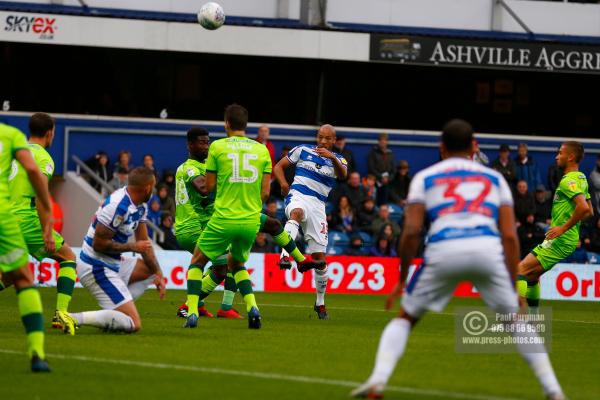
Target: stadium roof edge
(392, 132)
(295, 24)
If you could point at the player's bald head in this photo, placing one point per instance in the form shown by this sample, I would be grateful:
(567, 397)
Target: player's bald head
(326, 136)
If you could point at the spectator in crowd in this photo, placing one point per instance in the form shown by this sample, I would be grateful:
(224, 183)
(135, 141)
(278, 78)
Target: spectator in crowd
(154, 212)
(148, 162)
(543, 207)
(356, 246)
(168, 180)
(381, 164)
(367, 215)
(341, 149)
(383, 247)
(524, 202)
(120, 179)
(123, 161)
(262, 136)
(383, 218)
(506, 166)
(169, 241)
(579, 256)
(530, 235)
(388, 230)
(100, 164)
(527, 168)
(288, 173)
(595, 186)
(344, 217)
(555, 174)
(590, 234)
(400, 184)
(351, 189)
(478, 155)
(166, 202)
(370, 186)
(263, 244)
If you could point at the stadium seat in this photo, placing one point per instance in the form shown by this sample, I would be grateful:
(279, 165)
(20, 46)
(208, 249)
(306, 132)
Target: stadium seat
(366, 238)
(335, 250)
(396, 212)
(329, 208)
(339, 238)
(593, 258)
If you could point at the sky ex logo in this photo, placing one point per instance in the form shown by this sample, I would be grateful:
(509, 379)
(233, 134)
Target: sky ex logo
(42, 26)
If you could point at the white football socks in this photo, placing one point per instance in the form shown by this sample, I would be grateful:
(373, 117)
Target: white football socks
(321, 279)
(391, 347)
(111, 320)
(292, 227)
(537, 358)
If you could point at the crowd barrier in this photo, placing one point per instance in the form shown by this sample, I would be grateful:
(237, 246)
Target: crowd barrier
(352, 275)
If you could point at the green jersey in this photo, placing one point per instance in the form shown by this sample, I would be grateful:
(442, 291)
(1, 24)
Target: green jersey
(239, 163)
(11, 140)
(22, 194)
(192, 209)
(572, 184)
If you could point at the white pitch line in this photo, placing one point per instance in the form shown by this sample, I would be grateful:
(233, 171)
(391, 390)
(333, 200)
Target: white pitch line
(267, 375)
(382, 310)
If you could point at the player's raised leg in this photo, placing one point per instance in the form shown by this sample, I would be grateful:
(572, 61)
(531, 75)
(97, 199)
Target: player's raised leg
(528, 281)
(292, 227)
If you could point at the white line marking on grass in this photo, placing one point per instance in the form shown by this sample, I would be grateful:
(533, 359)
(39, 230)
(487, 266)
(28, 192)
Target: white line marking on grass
(382, 310)
(267, 375)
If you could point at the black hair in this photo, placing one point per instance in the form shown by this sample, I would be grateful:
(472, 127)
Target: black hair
(194, 133)
(236, 116)
(457, 135)
(40, 123)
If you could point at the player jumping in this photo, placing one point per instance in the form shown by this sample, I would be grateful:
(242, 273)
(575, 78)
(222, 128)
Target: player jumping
(195, 207)
(26, 207)
(472, 238)
(14, 259)
(572, 204)
(317, 168)
(113, 279)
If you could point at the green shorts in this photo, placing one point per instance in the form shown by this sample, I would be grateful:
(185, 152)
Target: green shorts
(550, 253)
(13, 251)
(187, 240)
(32, 233)
(220, 234)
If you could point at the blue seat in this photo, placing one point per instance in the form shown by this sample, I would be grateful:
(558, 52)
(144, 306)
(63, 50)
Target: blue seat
(366, 238)
(280, 205)
(335, 250)
(593, 258)
(339, 238)
(329, 208)
(396, 212)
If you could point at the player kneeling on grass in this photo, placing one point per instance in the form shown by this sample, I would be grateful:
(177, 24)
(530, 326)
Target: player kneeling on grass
(115, 280)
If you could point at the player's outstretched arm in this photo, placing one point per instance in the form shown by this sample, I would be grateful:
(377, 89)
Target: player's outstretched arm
(265, 188)
(141, 235)
(210, 182)
(43, 204)
(510, 240)
(581, 212)
(199, 184)
(278, 171)
(408, 247)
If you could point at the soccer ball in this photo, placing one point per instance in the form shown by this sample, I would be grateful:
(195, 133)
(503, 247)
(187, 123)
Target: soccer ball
(211, 16)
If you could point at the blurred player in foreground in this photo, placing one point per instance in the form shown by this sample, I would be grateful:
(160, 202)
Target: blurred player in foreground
(572, 204)
(14, 257)
(317, 169)
(113, 279)
(472, 238)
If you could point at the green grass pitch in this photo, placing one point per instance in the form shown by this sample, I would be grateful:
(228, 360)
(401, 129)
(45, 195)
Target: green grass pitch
(294, 356)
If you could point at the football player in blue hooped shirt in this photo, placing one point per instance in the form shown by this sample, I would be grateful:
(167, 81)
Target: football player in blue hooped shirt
(317, 170)
(113, 279)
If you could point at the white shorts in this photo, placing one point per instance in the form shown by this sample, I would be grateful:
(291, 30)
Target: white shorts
(478, 260)
(107, 286)
(314, 224)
